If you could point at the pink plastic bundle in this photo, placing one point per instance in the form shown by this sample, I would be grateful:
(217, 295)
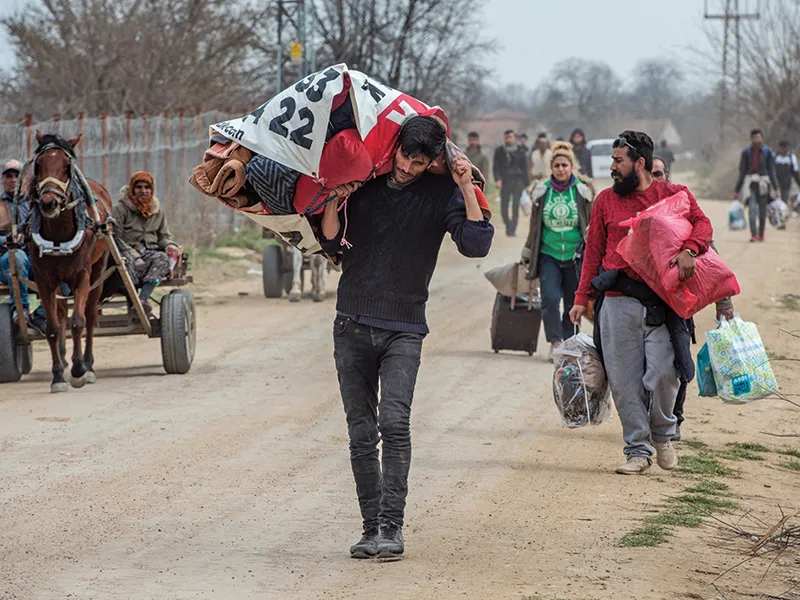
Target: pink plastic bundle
(656, 237)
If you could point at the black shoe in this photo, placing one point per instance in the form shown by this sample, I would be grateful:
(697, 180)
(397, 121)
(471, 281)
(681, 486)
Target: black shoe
(390, 541)
(677, 435)
(37, 320)
(367, 547)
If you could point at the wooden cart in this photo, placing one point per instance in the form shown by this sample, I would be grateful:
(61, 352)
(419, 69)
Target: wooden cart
(174, 324)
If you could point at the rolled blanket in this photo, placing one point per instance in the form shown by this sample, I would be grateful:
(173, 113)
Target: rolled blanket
(218, 177)
(231, 178)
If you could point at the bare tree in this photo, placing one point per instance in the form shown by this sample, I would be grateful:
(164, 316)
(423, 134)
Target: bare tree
(656, 88)
(588, 89)
(771, 79)
(431, 49)
(139, 55)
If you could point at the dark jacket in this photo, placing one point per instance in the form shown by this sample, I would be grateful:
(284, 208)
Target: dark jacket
(786, 169)
(510, 165)
(23, 211)
(530, 251)
(479, 159)
(135, 230)
(582, 153)
(584, 156)
(767, 166)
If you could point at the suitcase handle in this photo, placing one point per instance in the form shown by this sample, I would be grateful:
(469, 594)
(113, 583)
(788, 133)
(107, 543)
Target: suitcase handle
(514, 286)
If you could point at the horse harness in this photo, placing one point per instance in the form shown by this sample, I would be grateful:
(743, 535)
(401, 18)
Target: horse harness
(71, 194)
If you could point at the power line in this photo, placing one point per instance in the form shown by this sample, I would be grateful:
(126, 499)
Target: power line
(733, 15)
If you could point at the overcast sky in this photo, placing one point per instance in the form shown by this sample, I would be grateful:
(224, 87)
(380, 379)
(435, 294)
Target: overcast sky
(535, 34)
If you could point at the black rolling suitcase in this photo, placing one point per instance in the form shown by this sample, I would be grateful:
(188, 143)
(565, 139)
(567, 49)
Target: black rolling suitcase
(516, 321)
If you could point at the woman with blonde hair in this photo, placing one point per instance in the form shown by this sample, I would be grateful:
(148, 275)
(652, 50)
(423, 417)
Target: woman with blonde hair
(559, 221)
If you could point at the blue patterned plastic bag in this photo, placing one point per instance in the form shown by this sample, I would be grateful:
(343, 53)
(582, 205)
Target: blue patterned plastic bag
(705, 374)
(739, 362)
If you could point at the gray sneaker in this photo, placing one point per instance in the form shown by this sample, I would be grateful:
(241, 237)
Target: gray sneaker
(367, 547)
(390, 541)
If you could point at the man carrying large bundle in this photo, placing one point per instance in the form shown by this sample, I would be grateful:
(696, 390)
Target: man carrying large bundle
(644, 343)
(391, 230)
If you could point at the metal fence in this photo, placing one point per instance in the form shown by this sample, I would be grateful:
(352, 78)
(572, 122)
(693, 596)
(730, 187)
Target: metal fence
(112, 148)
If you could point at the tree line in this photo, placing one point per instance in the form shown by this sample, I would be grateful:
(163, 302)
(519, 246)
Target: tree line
(147, 56)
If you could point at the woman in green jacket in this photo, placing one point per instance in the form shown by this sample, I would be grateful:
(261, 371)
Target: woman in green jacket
(559, 221)
(142, 226)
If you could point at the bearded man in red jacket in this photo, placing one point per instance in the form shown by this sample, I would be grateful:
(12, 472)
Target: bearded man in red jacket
(644, 344)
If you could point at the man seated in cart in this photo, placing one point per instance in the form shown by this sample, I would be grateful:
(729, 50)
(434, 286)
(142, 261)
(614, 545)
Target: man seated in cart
(141, 227)
(11, 171)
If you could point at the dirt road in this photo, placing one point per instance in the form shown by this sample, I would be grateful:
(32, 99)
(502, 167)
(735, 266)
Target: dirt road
(234, 481)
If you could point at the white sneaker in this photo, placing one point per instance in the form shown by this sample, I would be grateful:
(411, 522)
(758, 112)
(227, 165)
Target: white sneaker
(633, 466)
(666, 457)
(553, 346)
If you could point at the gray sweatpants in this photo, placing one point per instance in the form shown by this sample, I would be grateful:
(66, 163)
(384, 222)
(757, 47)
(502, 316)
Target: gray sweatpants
(639, 361)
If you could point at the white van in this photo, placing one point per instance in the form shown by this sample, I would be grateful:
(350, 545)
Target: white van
(601, 157)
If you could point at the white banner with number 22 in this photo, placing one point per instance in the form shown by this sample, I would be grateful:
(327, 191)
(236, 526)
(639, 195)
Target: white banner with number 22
(291, 127)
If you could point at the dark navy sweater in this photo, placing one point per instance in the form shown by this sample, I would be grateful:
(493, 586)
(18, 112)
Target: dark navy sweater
(395, 236)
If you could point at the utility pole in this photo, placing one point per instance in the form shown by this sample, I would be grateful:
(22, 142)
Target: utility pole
(732, 16)
(299, 16)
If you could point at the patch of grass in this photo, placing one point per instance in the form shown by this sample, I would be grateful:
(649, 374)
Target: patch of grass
(788, 452)
(247, 237)
(748, 446)
(704, 504)
(649, 535)
(675, 518)
(703, 464)
(794, 465)
(775, 355)
(695, 444)
(738, 451)
(712, 488)
(208, 253)
(789, 302)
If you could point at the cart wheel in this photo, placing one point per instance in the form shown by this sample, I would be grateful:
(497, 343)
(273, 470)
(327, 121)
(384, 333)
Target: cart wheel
(178, 331)
(9, 364)
(25, 358)
(496, 351)
(530, 352)
(272, 271)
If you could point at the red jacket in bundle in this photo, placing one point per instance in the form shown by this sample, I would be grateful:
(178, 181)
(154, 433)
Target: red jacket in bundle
(605, 232)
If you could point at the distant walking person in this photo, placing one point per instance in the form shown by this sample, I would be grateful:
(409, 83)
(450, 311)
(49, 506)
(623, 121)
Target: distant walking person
(475, 153)
(523, 142)
(667, 155)
(757, 174)
(786, 169)
(560, 219)
(582, 152)
(510, 173)
(541, 157)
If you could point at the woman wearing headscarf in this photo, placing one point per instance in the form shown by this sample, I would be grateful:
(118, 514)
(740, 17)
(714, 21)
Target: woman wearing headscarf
(559, 221)
(142, 226)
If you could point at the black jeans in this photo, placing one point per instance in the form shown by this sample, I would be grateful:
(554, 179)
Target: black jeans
(368, 358)
(509, 198)
(757, 205)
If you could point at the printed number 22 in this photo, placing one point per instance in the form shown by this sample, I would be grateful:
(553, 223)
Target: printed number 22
(299, 135)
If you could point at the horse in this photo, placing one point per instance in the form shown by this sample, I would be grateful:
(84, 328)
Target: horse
(67, 246)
